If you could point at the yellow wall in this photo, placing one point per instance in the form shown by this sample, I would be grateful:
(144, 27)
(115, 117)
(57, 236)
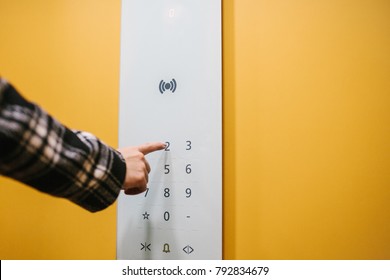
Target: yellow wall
(64, 55)
(307, 129)
(306, 125)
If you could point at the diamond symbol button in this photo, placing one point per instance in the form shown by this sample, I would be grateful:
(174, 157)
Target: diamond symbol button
(188, 249)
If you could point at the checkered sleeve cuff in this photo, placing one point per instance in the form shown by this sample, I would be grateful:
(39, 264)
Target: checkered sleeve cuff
(39, 151)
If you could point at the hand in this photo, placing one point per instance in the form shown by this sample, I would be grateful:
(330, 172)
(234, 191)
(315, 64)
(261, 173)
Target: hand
(137, 167)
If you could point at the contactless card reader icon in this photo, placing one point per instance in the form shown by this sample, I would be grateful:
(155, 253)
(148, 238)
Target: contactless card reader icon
(170, 86)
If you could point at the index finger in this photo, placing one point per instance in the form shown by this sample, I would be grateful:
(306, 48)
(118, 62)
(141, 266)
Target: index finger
(151, 147)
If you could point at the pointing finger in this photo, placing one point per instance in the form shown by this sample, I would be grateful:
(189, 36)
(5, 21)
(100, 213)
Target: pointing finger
(151, 147)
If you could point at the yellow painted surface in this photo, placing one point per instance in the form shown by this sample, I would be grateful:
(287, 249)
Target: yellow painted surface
(306, 125)
(307, 129)
(63, 55)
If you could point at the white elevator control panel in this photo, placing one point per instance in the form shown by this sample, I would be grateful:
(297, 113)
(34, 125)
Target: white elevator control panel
(171, 91)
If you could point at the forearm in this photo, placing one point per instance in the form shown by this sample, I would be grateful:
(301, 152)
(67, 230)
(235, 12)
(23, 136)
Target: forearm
(39, 151)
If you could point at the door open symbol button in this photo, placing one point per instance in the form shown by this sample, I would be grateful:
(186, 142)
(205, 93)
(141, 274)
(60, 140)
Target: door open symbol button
(188, 249)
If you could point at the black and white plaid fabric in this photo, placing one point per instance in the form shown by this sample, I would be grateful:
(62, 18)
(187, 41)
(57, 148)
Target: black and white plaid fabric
(39, 151)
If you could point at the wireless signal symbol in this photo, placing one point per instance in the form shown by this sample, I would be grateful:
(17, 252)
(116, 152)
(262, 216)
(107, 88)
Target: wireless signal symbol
(171, 86)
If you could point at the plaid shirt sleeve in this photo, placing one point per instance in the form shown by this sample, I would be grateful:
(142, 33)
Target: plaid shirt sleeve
(39, 151)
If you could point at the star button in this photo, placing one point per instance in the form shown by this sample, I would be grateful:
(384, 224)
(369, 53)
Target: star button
(146, 215)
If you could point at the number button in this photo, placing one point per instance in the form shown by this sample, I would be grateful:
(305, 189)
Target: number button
(166, 169)
(188, 169)
(167, 216)
(167, 192)
(189, 145)
(188, 192)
